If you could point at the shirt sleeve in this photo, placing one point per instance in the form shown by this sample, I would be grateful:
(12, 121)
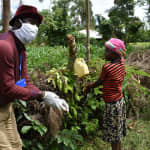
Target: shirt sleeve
(35, 91)
(8, 87)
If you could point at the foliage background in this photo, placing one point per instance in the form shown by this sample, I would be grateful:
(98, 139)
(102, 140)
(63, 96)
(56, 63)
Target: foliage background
(48, 58)
(47, 61)
(82, 125)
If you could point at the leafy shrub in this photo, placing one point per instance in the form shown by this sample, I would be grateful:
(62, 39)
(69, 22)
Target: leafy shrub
(85, 116)
(55, 27)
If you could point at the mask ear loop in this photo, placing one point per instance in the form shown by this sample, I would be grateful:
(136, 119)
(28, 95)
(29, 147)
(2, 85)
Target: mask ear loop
(20, 21)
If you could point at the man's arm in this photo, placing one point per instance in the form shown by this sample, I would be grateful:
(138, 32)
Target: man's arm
(8, 87)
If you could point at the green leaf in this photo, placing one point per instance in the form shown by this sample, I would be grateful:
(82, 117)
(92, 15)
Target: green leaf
(59, 139)
(79, 138)
(38, 129)
(74, 111)
(70, 88)
(25, 129)
(23, 103)
(27, 117)
(59, 83)
(40, 146)
(67, 141)
(140, 72)
(77, 97)
(49, 79)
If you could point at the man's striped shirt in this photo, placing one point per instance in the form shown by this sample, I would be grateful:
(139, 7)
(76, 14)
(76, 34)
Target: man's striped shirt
(112, 77)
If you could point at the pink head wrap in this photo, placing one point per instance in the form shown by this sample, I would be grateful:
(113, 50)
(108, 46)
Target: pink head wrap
(117, 46)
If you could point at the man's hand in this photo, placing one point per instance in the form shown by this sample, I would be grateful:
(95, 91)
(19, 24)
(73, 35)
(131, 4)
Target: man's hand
(55, 101)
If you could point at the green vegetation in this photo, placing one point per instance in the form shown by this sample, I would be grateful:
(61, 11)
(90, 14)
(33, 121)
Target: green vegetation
(140, 45)
(45, 57)
(47, 66)
(67, 17)
(138, 135)
(82, 125)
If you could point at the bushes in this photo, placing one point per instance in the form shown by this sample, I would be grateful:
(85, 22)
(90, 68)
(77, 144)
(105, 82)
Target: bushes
(84, 118)
(55, 27)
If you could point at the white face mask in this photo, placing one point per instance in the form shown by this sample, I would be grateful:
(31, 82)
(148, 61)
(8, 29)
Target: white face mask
(26, 33)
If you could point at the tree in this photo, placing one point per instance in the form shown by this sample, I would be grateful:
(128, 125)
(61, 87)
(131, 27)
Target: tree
(87, 30)
(56, 24)
(6, 15)
(145, 3)
(72, 52)
(60, 11)
(78, 13)
(148, 11)
(20, 3)
(104, 27)
(120, 16)
(133, 28)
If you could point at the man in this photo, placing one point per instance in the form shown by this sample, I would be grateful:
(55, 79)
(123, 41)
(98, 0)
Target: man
(14, 80)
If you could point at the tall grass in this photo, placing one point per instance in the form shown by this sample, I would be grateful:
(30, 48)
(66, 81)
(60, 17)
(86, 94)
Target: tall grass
(46, 57)
(138, 46)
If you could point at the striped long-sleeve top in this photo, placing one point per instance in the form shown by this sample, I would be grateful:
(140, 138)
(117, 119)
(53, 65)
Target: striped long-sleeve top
(112, 76)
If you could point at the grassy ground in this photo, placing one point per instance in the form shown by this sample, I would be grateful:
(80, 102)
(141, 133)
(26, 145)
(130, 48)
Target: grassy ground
(138, 138)
(140, 45)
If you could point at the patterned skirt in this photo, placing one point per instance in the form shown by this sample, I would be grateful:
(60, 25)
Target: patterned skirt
(114, 121)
